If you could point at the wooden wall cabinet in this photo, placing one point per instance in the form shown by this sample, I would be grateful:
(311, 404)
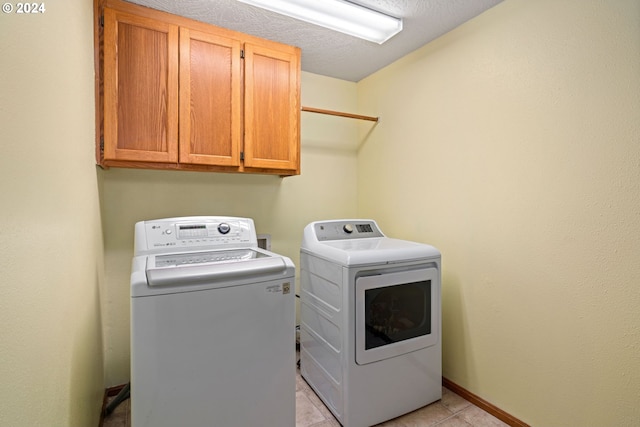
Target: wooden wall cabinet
(180, 94)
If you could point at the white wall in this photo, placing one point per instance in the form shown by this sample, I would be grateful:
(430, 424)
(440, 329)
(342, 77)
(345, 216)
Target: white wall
(51, 355)
(279, 206)
(513, 145)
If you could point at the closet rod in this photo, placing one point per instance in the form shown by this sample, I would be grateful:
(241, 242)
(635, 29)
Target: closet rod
(338, 113)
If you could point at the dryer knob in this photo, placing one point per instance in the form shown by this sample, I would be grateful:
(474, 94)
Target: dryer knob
(224, 228)
(348, 228)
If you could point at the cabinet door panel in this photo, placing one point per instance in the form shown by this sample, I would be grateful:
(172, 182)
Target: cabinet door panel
(272, 110)
(141, 89)
(210, 108)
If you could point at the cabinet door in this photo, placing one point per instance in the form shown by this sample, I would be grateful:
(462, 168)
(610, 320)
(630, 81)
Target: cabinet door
(210, 99)
(272, 108)
(140, 88)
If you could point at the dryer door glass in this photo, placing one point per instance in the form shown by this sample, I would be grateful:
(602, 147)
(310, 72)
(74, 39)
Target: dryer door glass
(396, 313)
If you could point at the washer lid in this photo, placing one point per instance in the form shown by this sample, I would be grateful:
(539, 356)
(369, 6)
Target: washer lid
(183, 259)
(191, 268)
(381, 250)
(352, 242)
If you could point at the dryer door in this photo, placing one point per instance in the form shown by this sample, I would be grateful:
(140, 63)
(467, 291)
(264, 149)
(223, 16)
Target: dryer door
(396, 313)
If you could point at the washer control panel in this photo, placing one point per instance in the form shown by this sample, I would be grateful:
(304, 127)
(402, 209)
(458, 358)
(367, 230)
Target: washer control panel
(194, 232)
(346, 229)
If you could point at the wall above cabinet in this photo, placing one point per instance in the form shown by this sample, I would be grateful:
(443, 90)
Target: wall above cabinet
(174, 93)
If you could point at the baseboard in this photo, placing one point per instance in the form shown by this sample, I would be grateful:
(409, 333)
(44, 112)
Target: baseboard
(483, 404)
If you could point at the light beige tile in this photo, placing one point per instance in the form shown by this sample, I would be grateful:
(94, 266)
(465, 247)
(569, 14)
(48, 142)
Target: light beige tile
(311, 412)
(317, 402)
(427, 416)
(301, 384)
(306, 412)
(454, 421)
(452, 401)
(479, 418)
(391, 423)
(328, 423)
(120, 417)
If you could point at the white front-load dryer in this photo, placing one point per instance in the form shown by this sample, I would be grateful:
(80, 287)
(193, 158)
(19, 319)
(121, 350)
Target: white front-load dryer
(370, 333)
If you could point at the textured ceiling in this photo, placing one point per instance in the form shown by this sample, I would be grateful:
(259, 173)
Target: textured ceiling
(327, 52)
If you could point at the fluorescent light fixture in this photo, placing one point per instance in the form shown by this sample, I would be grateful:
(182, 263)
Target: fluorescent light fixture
(337, 15)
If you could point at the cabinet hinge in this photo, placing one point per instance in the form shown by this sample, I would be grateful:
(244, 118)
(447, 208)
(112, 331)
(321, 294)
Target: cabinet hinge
(241, 53)
(101, 20)
(242, 155)
(101, 144)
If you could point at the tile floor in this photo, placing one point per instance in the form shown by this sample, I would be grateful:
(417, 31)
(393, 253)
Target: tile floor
(451, 411)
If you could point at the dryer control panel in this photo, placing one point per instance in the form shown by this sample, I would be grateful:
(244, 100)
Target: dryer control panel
(167, 235)
(346, 229)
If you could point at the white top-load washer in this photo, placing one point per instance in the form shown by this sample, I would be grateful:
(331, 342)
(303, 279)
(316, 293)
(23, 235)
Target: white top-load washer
(370, 339)
(212, 326)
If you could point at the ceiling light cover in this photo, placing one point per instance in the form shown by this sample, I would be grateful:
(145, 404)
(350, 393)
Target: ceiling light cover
(337, 15)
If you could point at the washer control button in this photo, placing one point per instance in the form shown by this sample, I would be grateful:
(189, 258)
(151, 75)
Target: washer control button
(224, 228)
(348, 228)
